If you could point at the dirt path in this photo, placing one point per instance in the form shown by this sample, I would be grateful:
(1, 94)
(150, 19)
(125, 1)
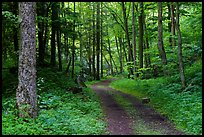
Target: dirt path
(120, 122)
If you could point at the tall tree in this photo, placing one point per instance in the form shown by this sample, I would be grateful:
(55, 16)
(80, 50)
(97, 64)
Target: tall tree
(181, 66)
(101, 34)
(130, 56)
(94, 43)
(146, 45)
(172, 7)
(26, 98)
(40, 14)
(54, 25)
(73, 46)
(121, 54)
(134, 36)
(98, 41)
(169, 23)
(160, 35)
(59, 38)
(141, 33)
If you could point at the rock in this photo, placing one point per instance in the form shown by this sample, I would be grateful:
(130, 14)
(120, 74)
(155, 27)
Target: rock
(145, 100)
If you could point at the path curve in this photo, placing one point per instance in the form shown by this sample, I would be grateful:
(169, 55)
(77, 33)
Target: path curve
(119, 122)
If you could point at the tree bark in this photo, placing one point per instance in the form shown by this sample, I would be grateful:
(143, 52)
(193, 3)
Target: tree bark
(133, 37)
(59, 39)
(130, 56)
(54, 25)
(169, 23)
(98, 42)
(101, 30)
(73, 46)
(173, 24)
(141, 33)
(26, 98)
(121, 55)
(94, 42)
(160, 35)
(40, 13)
(181, 66)
(146, 46)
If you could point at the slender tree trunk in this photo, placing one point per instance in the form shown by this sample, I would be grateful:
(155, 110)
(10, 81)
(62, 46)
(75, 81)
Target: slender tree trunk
(126, 58)
(80, 34)
(173, 24)
(26, 97)
(160, 35)
(146, 46)
(94, 42)
(40, 12)
(98, 41)
(73, 46)
(130, 56)
(101, 30)
(53, 48)
(46, 30)
(133, 37)
(141, 33)
(118, 50)
(109, 52)
(121, 55)
(181, 66)
(89, 53)
(59, 39)
(169, 23)
(59, 49)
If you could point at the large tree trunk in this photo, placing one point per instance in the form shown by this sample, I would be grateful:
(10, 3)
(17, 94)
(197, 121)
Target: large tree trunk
(26, 98)
(160, 35)
(181, 66)
(141, 33)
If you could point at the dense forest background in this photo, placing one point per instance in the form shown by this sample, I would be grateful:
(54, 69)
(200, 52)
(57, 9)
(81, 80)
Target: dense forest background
(89, 41)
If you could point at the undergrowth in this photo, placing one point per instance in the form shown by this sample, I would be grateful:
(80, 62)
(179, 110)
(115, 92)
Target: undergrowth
(60, 111)
(184, 108)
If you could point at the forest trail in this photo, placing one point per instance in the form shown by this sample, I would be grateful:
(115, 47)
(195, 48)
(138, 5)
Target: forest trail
(143, 120)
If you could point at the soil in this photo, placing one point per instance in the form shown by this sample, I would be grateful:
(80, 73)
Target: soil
(119, 122)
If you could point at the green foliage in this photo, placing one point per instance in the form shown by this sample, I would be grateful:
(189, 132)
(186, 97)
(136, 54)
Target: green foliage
(60, 111)
(9, 17)
(182, 107)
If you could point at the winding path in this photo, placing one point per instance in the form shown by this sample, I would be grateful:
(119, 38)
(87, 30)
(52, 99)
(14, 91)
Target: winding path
(121, 123)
